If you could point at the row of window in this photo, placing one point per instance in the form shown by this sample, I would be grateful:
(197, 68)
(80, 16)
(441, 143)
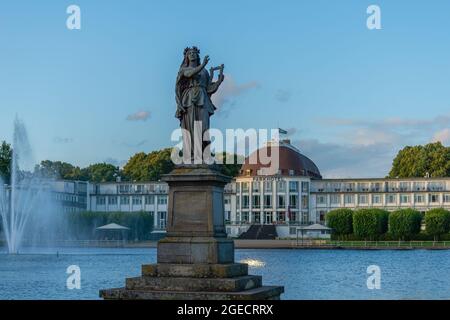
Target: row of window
(140, 188)
(135, 200)
(378, 198)
(268, 201)
(269, 217)
(267, 186)
(380, 186)
(69, 197)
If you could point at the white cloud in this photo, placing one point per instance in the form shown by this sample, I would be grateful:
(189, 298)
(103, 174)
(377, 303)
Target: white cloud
(139, 116)
(228, 92)
(442, 136)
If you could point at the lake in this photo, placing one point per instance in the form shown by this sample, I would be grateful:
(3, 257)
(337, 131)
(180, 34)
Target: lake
(306, 274)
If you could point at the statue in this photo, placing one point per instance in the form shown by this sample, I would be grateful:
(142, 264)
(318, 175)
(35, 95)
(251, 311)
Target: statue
(194, 88)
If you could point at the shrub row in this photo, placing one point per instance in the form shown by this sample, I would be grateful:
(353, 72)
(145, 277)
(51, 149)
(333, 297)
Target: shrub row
(378, 224)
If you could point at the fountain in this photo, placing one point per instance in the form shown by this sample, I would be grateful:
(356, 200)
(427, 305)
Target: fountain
(26, 204)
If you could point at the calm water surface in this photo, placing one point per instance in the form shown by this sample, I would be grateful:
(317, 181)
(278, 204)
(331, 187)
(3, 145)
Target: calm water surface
(306, 274)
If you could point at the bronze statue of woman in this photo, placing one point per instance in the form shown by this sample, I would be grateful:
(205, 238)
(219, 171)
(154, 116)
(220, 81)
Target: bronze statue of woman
(194, 88)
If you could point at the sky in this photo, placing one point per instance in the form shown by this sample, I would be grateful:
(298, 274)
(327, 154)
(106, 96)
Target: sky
(349, 97)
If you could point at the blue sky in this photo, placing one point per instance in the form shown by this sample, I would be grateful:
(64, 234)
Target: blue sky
(350, 97)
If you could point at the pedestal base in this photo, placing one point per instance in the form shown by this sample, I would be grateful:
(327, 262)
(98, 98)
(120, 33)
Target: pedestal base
(194, 282)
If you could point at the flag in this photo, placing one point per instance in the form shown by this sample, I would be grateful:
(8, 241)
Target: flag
(282, 131)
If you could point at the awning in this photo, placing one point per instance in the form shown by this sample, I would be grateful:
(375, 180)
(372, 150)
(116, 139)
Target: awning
(113, 226)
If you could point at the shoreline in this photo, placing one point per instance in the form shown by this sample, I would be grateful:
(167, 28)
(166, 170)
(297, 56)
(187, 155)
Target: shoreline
(279, 244)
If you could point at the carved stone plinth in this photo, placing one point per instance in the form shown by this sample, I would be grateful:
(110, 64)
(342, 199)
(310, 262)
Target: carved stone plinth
(195, 260)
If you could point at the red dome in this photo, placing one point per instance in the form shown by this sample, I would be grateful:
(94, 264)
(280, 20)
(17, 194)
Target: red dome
(292, 162)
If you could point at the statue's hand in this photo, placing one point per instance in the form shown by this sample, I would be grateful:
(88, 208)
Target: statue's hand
(205, 60)
(221, 78)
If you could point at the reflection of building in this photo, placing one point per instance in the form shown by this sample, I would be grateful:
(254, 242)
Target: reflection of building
(292, 199)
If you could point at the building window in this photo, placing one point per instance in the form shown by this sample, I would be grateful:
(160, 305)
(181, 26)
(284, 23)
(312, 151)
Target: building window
(404, 186)
(268, 186)
(305, 218)
(149, 199)
(124, 188)
(256, 217)
(244, 186)
(392, 199)
(238, 187)
(227, 216)
(335, 199)
(434, 198)
(305, 186)
(305, 202)
(244, 217)
(281, 186)
(256, 202)
(404, 198)
(245, 202)
(162, 200)
(267, 201)
(363, 199)
(162, 219)
(112, 200)
(419, 198)
(281, 203)
(137, 200)
(281, 217)
(349, 199)
(446, 198)
(322, 215)
(321, 199)
(226, 200)
(293, 201)
(124, 200)
(268, 217)
(376, 199)
(255, 186)
(101, 201)
(293, 186)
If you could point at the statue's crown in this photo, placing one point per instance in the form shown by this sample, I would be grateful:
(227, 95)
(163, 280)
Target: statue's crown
(194, 48)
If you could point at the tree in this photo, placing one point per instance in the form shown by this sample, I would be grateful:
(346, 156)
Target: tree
(5, 161)
(418, 161)
(148, 167)
(405, 223)
(341, 221)
(437, 222)
(101, 172)
(230, 169)
(58, 170)
(370, 223)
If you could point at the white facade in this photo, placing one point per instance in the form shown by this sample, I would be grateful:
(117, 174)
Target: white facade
(289, 202)
(148, 197)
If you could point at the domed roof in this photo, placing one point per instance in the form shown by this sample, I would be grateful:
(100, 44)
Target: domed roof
(291, 163)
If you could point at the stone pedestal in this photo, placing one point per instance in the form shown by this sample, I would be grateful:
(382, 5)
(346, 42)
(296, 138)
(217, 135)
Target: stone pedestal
(195, 260)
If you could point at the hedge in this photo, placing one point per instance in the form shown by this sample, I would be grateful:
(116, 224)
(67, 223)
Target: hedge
(404, 223)
(341, 221)
(437, 222)
(370, 224)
